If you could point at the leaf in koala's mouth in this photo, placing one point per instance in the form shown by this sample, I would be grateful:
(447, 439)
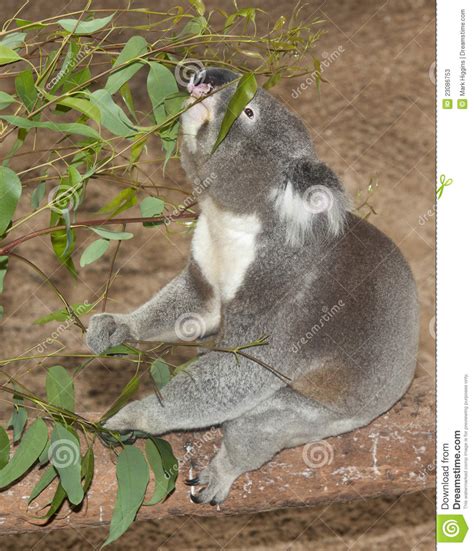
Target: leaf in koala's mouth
(246, 90)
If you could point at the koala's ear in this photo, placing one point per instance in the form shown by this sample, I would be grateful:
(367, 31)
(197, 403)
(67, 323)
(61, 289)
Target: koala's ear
(310, 199)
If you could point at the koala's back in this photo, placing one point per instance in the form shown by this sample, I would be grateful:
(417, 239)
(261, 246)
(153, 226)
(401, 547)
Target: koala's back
(342, 315)
(356, 325)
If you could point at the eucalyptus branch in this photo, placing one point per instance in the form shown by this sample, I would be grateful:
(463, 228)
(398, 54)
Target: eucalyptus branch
(236, 351)
(6, 250)
(107, 143)
(38, 270)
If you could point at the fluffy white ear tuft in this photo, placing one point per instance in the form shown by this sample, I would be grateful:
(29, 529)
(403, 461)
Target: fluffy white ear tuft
(290, 208)
(312, 201)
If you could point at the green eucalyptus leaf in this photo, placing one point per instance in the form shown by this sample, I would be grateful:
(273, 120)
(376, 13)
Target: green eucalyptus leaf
(135, 47)
(170, 463)
(248, 14)
(84, 106)
(151, 206)
(60, 388)
(26, 89)
(127, 97)
(70, 237)
(113, 116)
(194, 27)
(44, 456)
(127, 392)
(124, 200)
(3, 270)
(18, 418)
(75, 79)
(153, 456)
(113, 235)
(58, 499)
(4, 448)
(139, 145)
(10, 192)
(30, 24)
(199, 6)
(38, 195)
(62, 314)
(27, 453)
(67, 197)
(121, 350)
(13, 40)
(87, 469)
(160, 372)
(161, 84)
(94, 251)
(71, 59)
(47, 477)
(60, 241)
(272, 80)
(6, 100)
(84, 27)
(169, 139)
(245, 91)
(65, 455)
(7, 55)
(132, 479)
(66, 127)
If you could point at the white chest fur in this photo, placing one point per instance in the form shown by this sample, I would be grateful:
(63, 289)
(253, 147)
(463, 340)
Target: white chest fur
(224, 246)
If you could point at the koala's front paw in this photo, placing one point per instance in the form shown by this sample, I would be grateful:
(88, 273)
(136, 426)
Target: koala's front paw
(133, 416)
(126, 419)
(104, 331)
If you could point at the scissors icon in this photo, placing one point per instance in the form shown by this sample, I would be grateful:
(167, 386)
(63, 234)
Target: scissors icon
(444, 183)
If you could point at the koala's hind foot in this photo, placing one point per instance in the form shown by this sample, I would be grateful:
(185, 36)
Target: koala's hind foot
(283, 421)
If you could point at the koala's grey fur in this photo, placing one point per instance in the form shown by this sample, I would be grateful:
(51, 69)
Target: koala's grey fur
(333, 292)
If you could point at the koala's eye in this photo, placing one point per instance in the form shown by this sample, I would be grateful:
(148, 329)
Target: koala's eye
(249, 112)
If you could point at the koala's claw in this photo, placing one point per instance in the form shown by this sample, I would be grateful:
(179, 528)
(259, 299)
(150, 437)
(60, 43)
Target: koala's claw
(104, 331)
(195, 498)
(192, 481)
(216, 486)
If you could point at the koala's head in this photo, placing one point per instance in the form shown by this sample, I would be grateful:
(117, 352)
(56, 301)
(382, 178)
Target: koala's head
(265, 165)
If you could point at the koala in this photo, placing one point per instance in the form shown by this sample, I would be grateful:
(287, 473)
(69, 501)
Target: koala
(276, 251)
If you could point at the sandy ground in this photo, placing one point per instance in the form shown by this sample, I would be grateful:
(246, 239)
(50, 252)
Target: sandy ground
(374, 119)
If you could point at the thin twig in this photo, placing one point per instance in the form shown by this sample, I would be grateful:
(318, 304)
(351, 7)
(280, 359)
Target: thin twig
(6, 250)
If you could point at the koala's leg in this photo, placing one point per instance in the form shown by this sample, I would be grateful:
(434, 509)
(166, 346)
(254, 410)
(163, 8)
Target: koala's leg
(211, 391)
(185, 309)
(283, 421)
